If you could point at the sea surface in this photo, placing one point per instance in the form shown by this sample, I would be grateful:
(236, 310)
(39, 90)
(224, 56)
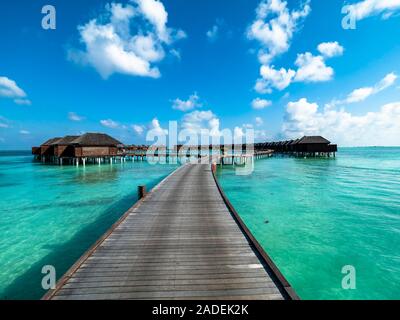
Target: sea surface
(316, 216)
(312, 216)
(50, 215)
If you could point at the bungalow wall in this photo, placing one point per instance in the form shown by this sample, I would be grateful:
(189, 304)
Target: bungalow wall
(36, 151)
(315, 147)
(95, 151)
(58, 150)
(47, 150)
(64, 151)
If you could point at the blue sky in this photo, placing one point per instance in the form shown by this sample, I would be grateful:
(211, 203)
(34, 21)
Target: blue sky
(197, 62)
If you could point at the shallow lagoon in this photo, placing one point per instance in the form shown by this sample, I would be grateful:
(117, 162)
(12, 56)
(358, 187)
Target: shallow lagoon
(324, 214)
(50, 215)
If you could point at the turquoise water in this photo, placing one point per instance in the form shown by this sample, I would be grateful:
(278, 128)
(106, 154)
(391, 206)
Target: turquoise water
(323, 214)
(50, 215)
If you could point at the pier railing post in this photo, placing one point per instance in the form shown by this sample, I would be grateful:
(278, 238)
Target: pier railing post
(141, 191)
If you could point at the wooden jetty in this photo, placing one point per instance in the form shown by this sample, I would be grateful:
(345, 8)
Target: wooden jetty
(183, 240)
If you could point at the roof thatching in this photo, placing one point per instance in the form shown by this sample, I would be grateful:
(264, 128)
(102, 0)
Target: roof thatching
(50, 141)
(313, 140)
(67, 140)
(294, 142)
(96, 139)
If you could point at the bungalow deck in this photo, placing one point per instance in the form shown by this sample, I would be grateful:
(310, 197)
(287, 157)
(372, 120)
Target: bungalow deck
(183, 240)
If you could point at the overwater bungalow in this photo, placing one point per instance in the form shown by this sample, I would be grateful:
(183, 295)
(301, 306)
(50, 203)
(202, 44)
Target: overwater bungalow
(63, 146)
(315, 145)
(306, 146)
(89, 147)
(96, 145)
(46, 149)
(101, 148)
(292, 145)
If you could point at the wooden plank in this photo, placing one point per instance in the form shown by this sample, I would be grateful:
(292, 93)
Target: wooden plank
(211, 294)
(162, 282)
(179, 275)
(123, 287)
(179, 242)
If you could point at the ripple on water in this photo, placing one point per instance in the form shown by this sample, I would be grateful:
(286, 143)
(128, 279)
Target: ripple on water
(324, 214)
(51, 214)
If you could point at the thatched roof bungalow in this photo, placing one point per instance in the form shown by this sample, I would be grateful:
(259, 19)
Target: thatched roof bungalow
(307, 144)
(63, 146)
(86, 145)
(47, 148)
(314, 144)
(95, 145)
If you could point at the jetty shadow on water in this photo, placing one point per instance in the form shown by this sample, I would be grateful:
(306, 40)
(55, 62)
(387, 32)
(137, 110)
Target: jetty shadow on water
(62, 257)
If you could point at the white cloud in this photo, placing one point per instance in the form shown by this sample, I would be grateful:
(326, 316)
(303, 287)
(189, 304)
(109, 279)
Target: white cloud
(111, 48)
(298, 117)
(366, 8)
(212, 34)
(259, 121)
(371, 129)
(187, 105)
(216, 30)
(238, 133)
(176, 53)
(207, 124)
(156, 128)
(274, 27)
(312, 68)
(10, 89)
(24, 132)
(272, 78)
(386, 82)
(259, 104)
(360, 94)
(363, 93)
(155, 12)
(259, 135)
(75, 117)
(248, 126)
(138, 129)
(109, 123)
(330, 49)
(197, 120)
(4, 123)
(23, 102)
(155, 134)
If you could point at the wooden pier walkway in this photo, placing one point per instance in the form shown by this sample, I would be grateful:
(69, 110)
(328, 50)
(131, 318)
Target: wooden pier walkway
(182, 241)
